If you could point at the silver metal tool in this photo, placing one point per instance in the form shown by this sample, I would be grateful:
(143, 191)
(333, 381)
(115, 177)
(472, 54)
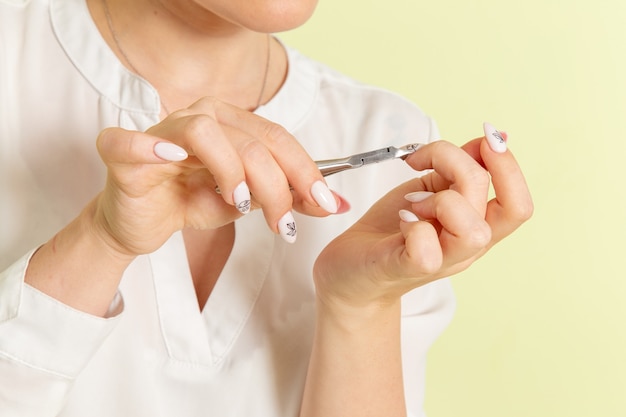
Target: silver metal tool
(332, 166)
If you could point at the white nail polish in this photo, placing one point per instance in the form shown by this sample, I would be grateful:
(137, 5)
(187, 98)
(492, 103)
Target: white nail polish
(170, 152)
(241, 197)
(418, 196)
(324, 197)
(407, 216)
(287, 227)
(495, 138)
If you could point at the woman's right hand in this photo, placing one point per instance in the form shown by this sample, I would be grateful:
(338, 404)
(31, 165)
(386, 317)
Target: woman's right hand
(152, 190)
(164, 180)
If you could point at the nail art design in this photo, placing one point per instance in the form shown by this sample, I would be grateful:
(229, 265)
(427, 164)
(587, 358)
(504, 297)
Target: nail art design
(241, 197)
(496, 139)
(501, 136)
(287, 228)
(244, 206)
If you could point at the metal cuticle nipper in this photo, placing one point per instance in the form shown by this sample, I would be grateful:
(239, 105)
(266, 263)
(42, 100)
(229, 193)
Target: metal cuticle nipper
(332, 166)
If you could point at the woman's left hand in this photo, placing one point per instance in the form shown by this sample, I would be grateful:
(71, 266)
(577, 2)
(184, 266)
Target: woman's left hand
(381, 257)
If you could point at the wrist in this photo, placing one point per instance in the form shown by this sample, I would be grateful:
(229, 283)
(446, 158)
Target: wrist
(363, 316)
(356, 365)
(78, 268)
(93, 223)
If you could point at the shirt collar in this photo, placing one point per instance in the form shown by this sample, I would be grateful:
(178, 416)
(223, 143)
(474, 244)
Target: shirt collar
(85, 47)
(90, 54)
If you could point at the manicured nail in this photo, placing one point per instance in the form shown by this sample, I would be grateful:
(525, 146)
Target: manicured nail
(418, 196)
(241, 197)
(287, 227)
(495, 138)
(344, 205)
(170, 152)
(407, 216)
(324, 197)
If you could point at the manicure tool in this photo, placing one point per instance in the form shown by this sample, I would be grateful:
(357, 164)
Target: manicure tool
(332, 166)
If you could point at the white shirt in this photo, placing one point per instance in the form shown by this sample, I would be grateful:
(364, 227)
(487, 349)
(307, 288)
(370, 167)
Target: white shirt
(157, 354)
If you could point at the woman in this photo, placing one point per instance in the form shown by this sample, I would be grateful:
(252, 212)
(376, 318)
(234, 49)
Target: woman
(133, 287)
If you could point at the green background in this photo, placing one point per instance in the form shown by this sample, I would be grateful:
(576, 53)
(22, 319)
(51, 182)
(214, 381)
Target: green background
(539, 329)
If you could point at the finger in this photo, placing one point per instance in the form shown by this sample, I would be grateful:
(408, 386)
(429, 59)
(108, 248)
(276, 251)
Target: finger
(233, 156)
(513, 203)
(304, 207)
(423, 253)
(495, 138)
(207, 141)
(206, 209)
(458, 170)
(301, 171)
(267, 182)
(464, 232)
(472, 148)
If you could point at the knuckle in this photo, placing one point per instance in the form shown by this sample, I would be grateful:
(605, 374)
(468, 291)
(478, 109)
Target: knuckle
(480, 235)
(198, 125)
(110, 139)
(134, 143)
(522, 211)
(206, 102)
(478, 176)
(179, 114)
(424, 249)
(430, 265)
(104, 138)
(253, 150)
(211, 100)
(442, 143)
(440, 146)
(207, 105)
(274, 134)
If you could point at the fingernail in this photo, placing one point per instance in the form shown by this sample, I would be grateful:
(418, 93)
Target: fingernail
(407, 216)
(170, 152)
(287, 227)
(324, 197)
(418, 196)
(241, 197)
(495, 138)
(344, 205)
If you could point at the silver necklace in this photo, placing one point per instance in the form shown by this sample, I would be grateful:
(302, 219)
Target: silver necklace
(116, 40)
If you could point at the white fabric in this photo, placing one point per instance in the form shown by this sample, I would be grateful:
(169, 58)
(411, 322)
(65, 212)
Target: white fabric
(246, 353)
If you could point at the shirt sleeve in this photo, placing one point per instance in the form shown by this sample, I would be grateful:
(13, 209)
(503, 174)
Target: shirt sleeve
(44, 345)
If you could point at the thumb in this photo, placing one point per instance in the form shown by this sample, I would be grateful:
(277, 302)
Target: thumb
(422, 252)
(120, 146)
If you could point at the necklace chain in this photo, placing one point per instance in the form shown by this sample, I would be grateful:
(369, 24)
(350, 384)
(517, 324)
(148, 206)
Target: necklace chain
(118, 45)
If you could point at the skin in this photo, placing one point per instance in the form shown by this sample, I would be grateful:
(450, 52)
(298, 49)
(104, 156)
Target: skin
(184, 68)
(219, 45)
